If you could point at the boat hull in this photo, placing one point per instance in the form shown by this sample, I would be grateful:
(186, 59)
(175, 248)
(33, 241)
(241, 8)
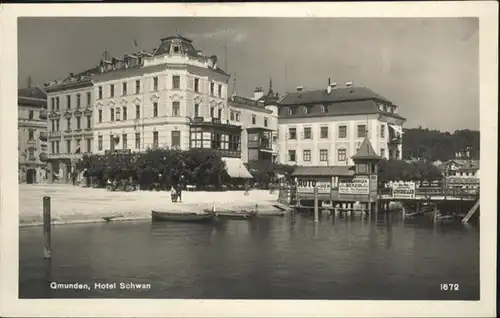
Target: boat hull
(181, 217)
(232, 215)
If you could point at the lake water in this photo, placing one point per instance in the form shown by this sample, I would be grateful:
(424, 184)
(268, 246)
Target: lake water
(268, 258)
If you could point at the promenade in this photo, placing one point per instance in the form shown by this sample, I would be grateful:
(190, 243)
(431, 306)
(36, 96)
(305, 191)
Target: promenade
(74, 204)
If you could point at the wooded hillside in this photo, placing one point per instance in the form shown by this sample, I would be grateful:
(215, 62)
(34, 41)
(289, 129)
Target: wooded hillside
(434, 144)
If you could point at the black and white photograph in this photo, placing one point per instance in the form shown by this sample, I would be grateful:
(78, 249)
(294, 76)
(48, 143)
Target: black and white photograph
(240, 155)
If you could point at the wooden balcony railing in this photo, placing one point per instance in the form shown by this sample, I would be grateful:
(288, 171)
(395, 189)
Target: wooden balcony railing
(255, 144)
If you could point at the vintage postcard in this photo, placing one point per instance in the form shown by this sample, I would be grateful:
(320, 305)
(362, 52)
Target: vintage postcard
(244, 160)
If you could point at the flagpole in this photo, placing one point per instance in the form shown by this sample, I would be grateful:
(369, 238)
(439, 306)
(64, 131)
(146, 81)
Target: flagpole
(225, 59)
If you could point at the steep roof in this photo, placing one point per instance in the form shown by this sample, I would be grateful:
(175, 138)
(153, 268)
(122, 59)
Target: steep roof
(324, 171)
(337, 95)
(184, 44)
(32, 92)
(471, 165)
(366, 151)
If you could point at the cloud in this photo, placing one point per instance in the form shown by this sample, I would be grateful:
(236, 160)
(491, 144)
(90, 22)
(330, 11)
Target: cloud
(231, 36)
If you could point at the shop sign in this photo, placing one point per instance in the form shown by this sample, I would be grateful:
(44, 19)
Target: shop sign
(355, 186)
(307, 185)
(403, 190)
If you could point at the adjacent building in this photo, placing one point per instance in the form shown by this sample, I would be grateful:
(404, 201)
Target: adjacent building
(70, 123)
(32, 135)
(326, 127)
(258, 118)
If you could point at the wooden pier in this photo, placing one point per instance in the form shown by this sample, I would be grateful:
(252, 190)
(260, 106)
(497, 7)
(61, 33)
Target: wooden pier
(426, 201)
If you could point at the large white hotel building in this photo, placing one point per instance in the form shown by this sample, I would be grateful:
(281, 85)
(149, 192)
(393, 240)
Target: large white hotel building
(173, 97)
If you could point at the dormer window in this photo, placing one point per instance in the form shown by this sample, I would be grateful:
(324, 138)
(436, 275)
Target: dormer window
(176, 49)
(290, 112)
(324, 109)
(307, 109)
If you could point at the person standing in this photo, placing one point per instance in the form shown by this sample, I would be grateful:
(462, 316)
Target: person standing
(173, 194)
(179, 188)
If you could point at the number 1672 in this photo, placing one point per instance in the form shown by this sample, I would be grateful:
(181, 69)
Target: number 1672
(449, 287)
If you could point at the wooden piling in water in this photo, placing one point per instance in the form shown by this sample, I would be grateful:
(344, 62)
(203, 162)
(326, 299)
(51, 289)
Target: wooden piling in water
(435, 213)
(316, 203)
(47, 226)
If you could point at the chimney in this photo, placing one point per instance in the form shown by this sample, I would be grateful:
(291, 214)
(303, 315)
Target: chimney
(329, 87)
(300, 88)
(348, 84)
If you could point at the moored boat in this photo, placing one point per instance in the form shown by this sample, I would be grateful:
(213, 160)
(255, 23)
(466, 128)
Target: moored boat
(181, 216)
(232, 214)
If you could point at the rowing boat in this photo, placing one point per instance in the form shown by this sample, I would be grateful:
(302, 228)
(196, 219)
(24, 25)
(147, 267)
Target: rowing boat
(181, 216)
(232, 214)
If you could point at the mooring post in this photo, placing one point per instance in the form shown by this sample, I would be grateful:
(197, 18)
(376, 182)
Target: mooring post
(47, 225)
(436, 211)
(316, 203)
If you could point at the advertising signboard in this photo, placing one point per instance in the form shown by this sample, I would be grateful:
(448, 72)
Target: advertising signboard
(357, 186)
(403, 190)
(307, 185)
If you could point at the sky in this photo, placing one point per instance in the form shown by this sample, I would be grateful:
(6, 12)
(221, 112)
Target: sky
(427, 66)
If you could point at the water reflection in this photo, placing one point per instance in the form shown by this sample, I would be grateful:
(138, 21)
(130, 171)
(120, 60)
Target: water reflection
(340, 257)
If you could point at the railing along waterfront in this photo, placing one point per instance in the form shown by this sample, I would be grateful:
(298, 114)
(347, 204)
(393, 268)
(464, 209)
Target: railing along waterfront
(432, 192)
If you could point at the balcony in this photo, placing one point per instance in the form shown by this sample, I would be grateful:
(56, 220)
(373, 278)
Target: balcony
(214, 123)
(77, 112)
(31, 141)
(262, 144)
(43, 115)
(43, 136)
(198, 119)
(395, 139)
(54, 114)
(229, 153)
(68, 156)
(88, 111)
(54, 134)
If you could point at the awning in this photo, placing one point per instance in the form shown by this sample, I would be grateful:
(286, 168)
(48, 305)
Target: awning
(236, 169)
(266, 150)
(397, 129)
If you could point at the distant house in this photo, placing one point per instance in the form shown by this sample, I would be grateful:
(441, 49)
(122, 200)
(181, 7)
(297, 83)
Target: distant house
(32, 134)
(461, 172)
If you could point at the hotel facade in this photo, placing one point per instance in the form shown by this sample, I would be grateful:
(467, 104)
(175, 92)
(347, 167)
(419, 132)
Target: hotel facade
(32, 135)
(70, 123)
(172, 98)
(326, 127)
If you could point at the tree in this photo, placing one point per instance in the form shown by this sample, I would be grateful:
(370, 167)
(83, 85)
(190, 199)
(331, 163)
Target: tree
(395, 170)
(436, 145)
(158, 167)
